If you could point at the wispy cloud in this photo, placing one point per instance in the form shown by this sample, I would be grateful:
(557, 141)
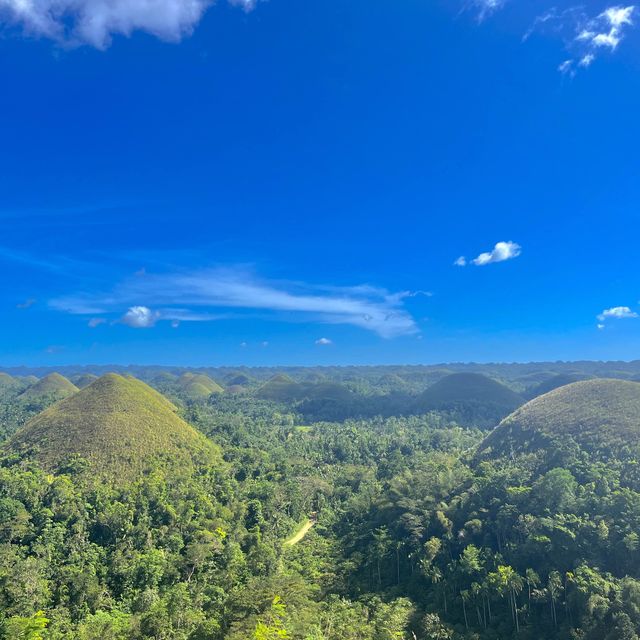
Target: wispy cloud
(586, 36)
(27, 304)
(485, 8)
(500, 253)
(594, 35)
(324, 342)
(95, 22)
(210, 294)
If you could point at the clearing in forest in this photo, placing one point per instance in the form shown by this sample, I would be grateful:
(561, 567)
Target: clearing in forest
(301, 533)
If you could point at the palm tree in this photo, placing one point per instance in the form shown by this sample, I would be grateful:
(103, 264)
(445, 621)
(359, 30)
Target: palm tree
(554, 584)
(533, 580)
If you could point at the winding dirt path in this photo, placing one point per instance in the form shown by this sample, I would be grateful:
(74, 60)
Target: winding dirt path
(300, 534)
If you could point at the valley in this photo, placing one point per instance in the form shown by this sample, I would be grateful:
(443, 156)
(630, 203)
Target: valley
(321, 504)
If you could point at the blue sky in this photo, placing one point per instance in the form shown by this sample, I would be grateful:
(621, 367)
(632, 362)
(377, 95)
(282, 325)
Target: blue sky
(291, 182)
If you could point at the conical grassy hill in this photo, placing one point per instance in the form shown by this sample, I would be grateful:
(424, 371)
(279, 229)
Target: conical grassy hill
(7, 381)
(601, 416)
(53, 386)
(474, 396)
(10, 387)
(198, 386)
(280, 388)
(121, 426)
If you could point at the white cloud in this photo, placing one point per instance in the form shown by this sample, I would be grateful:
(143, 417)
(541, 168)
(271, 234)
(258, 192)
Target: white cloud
(616, 313)
(485, 8)
(95, 22)
(586, 60)
(195, 295)
(586, 37)
(600, 326)
(501, 252)
(461, 262)
(27, 304)
(96, 322)
(140, 317)
(324, 342)
(566, 67)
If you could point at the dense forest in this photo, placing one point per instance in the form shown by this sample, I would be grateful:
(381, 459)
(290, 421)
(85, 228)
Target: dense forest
(404, 503)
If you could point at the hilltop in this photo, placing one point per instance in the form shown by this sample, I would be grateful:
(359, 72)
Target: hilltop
(121, 426)
(280, 388)
(54, 387)
(197, 386)
(474, 397)
(601, 416)
(9, 383)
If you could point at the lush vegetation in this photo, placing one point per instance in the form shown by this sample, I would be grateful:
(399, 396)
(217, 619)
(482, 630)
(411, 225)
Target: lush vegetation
(410, 526)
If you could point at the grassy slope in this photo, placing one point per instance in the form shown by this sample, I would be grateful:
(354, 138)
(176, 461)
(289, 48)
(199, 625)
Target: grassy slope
(120, 425)
(597, 414)
(6, 381)
(54, 385)
(280, 388)
(461, 388)
(198, 387)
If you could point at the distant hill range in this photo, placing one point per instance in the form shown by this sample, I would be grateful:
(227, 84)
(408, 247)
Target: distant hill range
(518, 376)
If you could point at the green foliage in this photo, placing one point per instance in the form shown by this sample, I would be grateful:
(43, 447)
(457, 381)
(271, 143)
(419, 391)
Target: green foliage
(413, 538)
(271, 626)
(31, 628)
